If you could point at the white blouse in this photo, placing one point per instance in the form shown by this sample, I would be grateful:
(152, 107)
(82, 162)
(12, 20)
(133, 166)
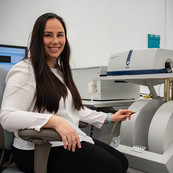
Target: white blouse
(17, 109)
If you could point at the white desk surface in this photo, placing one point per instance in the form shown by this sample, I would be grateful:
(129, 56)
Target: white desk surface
(159, 76)
(115, 103)
(142, 79)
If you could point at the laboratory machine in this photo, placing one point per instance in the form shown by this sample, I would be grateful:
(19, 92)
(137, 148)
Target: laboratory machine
(146, 61)
(147, 139)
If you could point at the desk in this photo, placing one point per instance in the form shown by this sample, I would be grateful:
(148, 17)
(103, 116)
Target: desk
(117, 104)
(138, 77)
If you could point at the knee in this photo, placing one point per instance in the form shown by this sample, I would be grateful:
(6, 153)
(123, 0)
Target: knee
(125, 164)
(115, 166)
(118, 166)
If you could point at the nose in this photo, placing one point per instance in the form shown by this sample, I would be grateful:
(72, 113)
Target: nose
(54, 40)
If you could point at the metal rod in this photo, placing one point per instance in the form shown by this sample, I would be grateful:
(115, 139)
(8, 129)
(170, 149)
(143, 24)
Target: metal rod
(167, 90)
(171, 88)
(151, 88)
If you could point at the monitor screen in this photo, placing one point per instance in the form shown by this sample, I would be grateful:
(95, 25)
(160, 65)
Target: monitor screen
(10, 55)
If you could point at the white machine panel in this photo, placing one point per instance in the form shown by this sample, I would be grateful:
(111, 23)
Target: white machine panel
(146, 61)
(105, 89)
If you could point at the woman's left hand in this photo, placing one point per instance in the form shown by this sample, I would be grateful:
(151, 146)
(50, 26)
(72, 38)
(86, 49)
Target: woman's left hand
(121, 115)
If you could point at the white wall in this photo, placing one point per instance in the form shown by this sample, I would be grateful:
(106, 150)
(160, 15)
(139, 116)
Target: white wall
(96, 28)
(169, 24)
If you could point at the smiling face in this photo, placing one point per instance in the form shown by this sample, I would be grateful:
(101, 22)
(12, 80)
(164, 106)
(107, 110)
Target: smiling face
(54, 41)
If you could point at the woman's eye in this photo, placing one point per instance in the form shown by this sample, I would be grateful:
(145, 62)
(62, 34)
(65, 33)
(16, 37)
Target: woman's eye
(47, 35)
(60, 35)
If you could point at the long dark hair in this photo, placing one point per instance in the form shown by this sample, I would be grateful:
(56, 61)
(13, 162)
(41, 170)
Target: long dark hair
(49, 89)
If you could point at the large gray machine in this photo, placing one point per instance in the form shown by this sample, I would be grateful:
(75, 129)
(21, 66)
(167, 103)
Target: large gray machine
(147, 139)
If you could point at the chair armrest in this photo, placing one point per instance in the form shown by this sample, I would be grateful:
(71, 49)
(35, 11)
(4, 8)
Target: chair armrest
(42, 135)
(42, 143)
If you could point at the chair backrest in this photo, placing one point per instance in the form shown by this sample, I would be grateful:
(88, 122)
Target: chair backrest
(6, 138)
(3, 73)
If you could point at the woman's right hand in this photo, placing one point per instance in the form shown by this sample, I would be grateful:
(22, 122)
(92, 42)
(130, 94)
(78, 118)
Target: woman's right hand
(69, 136)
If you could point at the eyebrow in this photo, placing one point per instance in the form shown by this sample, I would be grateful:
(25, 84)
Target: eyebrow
(61, 32)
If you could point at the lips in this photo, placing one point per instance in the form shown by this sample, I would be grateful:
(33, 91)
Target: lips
(54, 49)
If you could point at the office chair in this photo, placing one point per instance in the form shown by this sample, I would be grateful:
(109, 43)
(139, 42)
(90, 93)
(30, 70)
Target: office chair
(41, 140)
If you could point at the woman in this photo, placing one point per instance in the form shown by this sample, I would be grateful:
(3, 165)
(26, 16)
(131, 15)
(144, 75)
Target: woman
(40, 93)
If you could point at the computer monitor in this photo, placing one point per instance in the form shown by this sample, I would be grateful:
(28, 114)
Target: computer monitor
(10, 55)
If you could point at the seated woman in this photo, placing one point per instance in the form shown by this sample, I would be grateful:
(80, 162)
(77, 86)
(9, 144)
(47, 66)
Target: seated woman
(40, 93)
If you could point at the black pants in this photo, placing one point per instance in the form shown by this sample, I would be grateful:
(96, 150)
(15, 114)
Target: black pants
(98, 158)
